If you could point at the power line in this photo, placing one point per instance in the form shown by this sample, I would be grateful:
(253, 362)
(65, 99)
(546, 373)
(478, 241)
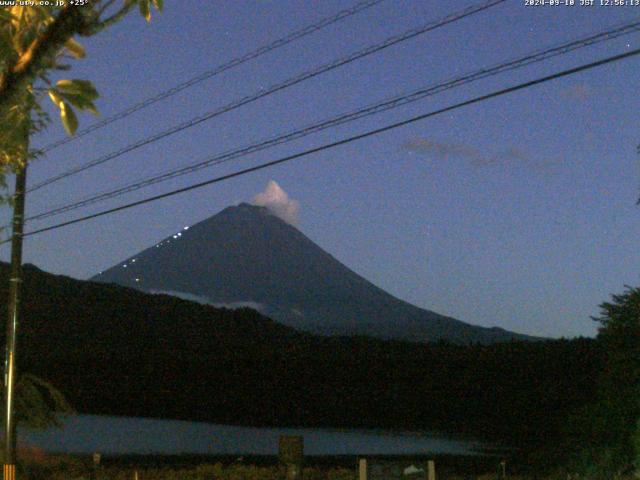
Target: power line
(409, 34)
(369, 110)
(344, 141)
(281, 42)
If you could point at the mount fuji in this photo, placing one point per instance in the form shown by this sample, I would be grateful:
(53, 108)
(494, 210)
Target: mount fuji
(248, 256)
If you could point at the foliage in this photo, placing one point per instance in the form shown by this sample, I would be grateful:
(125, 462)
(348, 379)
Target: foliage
(35, 42)
(75, 468)
(39, 403)
(620, 384)
(606, 430)
(70, 468)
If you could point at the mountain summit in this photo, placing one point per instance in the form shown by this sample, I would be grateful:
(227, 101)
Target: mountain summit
(246, 256)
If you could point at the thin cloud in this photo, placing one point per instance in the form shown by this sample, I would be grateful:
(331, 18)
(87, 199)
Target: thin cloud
(476, 157)
(202, 300)
(580, 92)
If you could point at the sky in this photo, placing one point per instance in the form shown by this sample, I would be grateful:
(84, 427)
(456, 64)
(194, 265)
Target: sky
(517, 212)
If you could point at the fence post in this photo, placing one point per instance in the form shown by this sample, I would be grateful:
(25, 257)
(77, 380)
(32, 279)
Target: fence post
(431, 468)
(96, 457)
(291, 453)
(362, 469)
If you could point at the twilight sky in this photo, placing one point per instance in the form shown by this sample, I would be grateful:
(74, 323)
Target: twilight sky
(517, 212)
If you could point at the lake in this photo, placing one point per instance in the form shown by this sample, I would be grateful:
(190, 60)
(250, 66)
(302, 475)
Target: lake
(126, 435)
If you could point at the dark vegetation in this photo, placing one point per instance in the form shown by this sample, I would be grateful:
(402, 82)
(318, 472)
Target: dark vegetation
(603, 436)
(198, 467)
(113, 350)
(77, 468)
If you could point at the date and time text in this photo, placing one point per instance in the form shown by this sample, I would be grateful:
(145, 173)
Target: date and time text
(526, 3)
(582, 3)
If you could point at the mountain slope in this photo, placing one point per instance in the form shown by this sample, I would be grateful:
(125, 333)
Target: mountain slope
(245, 255)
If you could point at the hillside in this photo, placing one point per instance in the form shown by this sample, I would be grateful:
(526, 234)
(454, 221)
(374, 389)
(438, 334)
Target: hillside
(115, 350)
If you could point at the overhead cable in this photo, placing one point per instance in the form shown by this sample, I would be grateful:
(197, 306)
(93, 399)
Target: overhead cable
(396, 39)
(281, 42)
(344, 141)
(369, 110)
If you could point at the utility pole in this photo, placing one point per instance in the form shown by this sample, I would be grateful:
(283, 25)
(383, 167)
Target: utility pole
(14, 304)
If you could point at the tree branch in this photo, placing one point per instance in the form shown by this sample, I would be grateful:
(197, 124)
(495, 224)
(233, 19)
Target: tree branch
(104, 7)
(115, 18)
(40, 54)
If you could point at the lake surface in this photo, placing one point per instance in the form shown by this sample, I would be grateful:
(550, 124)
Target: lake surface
(125, 435)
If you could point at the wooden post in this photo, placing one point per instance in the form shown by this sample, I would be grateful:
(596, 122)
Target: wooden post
(291, 453)
(96, 457)
(362, 469)
(14, 311)
(431, 467)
